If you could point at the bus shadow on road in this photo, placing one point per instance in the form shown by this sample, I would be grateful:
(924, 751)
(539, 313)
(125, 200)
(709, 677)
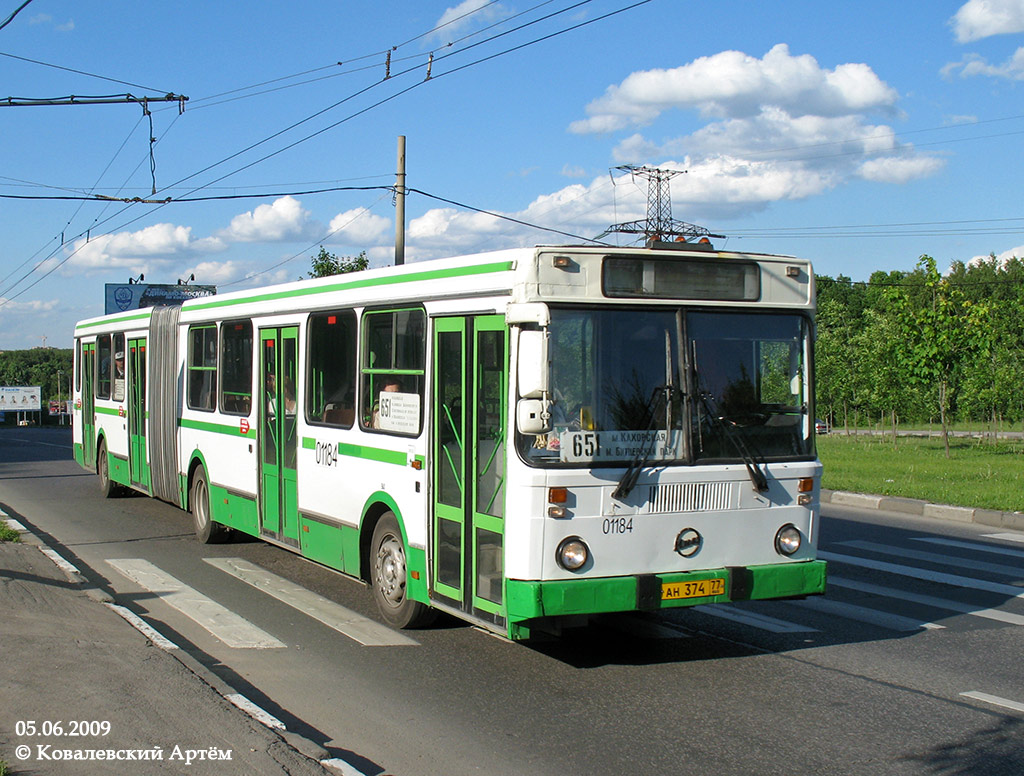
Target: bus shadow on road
(887, 583)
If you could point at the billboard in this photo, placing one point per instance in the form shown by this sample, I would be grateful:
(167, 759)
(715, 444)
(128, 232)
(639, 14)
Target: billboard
(133, 296)
(21, 398)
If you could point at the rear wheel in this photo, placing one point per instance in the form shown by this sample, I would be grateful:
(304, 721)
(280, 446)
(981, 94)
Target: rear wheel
(207, 531)
(108, 487)
(389, 578)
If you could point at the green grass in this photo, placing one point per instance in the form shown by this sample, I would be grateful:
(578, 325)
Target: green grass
(8, 534)
(977, 474)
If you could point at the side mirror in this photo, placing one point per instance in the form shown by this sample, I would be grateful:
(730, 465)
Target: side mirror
(533, 416)
(533, 371)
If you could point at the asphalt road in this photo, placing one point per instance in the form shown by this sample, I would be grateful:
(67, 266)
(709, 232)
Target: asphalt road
(910, 664)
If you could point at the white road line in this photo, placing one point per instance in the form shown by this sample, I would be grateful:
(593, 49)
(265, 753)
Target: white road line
(995, 700)
(864, 614)
(66, 566)
(343, 767)
(927, 600)
(976, 546)
(759, 621)
(928, 576)
(1007, 537)
(144, 627)
(233, 630)
(255, 711)
(354, 625)
(931, 557)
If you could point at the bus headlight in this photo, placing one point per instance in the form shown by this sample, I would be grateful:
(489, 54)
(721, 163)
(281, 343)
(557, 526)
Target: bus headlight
(787, 540)
(572, 553)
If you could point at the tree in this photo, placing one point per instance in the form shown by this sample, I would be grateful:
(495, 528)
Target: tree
(938, 336)
(326, 264)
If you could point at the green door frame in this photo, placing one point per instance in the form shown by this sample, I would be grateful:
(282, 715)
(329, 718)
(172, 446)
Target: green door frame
(137, 416)
(278, 437)
(89, 404)
(468, 454)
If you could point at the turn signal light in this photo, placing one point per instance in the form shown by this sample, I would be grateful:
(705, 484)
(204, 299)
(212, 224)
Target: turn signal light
(806, 485)
(558, 495)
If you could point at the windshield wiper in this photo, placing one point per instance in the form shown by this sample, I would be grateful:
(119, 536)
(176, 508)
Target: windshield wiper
(757, 477)
(632, 473)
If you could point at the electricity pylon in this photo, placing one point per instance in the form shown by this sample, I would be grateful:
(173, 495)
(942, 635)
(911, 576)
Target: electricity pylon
(659, 224)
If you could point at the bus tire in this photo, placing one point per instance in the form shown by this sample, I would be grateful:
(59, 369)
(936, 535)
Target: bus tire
(388, 577)
(207, 531)
(108, 487)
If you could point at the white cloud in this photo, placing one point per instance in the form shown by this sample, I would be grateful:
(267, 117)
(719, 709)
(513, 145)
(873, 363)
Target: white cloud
(899, 169)
(136, 250)
(466, 14)
(977, 19)
(973, 64)
(732, 84)
(358, 227)
(15, 307)
(283, 221)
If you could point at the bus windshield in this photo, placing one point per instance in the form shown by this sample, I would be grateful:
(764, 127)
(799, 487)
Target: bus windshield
(624, 392)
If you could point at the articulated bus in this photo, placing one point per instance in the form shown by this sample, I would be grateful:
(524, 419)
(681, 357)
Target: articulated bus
(522, 438)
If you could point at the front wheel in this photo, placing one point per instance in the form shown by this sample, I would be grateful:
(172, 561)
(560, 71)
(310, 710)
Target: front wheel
(108, 487)
(389, 578)
(207, 531)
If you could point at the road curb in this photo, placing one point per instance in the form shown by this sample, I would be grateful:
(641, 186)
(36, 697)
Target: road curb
(909, 506)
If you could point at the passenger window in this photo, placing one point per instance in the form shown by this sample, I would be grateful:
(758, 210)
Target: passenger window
(202, 367)
(331, 379)
(104, 367)
(394, 346)
(118, 367)
(236, 367)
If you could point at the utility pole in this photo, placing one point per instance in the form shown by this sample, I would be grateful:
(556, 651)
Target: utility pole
(400, 204)
(659, 224)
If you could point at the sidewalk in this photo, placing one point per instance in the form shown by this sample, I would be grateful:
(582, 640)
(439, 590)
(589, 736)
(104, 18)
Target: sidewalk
(81, 692)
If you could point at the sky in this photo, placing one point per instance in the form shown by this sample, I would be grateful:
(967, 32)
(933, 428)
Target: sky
(859, 135)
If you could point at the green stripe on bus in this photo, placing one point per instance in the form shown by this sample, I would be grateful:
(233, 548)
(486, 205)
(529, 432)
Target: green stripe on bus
(117, 319)
(108, 411)
(437, 274)
(378, 454)
(216, 428)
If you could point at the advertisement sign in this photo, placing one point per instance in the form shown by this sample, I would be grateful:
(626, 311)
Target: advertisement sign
(21, 398)
(120, 297)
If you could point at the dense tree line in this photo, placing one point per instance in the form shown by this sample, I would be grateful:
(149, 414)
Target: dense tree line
(923, 346)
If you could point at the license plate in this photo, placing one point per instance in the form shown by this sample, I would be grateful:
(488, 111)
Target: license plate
(700, 588)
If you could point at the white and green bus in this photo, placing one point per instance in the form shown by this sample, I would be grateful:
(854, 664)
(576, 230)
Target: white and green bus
(520, 438)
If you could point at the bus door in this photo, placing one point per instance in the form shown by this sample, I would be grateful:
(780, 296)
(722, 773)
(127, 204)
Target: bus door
(137, 465)
(88, 404)
(278, 442)
(468, 469)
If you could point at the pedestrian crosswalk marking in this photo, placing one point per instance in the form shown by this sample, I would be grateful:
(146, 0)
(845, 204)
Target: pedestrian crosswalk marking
(975, 546)
(864, 614)
(754, 620)
(926, 575)
(927, 600)
(931, 557)
(1007, 537)
(232, 629)
(354, 625)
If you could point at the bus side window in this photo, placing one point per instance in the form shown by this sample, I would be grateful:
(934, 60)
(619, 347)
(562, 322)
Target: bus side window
(202, 367)
(330, 381)
(104, 367)
(236, 367)
(394, 347)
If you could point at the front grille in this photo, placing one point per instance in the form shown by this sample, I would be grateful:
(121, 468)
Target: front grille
(688, 497)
